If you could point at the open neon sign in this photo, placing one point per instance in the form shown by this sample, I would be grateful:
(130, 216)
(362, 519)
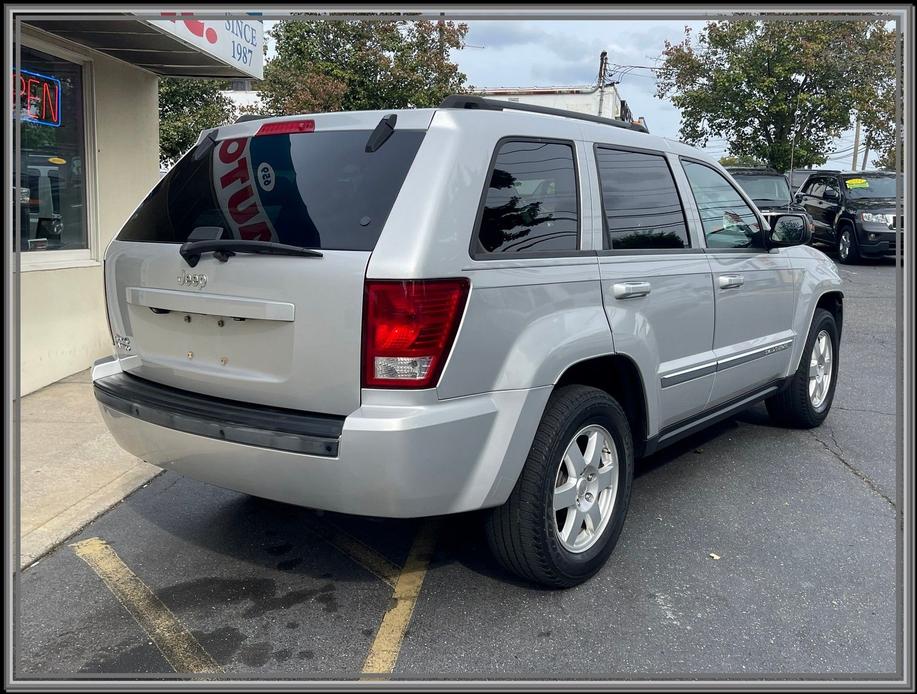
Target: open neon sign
(39, 98)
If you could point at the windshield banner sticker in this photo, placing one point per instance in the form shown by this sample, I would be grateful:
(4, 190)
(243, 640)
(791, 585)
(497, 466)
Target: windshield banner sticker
(857, 183)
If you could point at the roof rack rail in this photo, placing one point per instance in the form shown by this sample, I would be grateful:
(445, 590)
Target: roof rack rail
(477, 102)
(246, 117)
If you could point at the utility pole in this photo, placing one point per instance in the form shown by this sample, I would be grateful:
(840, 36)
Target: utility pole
(866, 152)
(603, 69)
(856, 144)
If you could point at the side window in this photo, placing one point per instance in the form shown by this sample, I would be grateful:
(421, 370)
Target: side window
(640, 201)
(831, 184)
(727, 220)
(818, 188)
(531, 201)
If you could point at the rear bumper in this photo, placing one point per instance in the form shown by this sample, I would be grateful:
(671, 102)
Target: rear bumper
(428, 458)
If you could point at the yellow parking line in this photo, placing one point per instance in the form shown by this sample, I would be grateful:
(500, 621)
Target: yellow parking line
(174, 641)
(383, 654)
(364, 555)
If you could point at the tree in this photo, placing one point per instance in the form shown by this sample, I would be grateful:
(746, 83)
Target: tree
(741, 160)
(878, 121)
(756, 84)
(186, 107)
(360, 65)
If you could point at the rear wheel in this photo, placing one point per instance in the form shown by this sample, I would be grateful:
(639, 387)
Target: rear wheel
(567, 509)
(847, 249)
(805, 402)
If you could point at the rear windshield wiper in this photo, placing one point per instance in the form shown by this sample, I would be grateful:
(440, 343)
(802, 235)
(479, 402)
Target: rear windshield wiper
(222, 249)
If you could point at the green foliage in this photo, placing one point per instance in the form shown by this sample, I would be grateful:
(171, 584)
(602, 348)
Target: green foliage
(741, 160)
(360, 65)
(755, 83)
(186, 107)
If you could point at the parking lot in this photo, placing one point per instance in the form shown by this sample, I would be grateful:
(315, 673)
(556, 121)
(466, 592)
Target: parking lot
(748, 550)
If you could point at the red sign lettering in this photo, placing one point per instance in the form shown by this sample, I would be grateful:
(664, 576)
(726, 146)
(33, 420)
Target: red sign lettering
(39, 98)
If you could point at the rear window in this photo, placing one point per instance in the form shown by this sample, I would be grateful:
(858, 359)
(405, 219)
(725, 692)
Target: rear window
(317, 190)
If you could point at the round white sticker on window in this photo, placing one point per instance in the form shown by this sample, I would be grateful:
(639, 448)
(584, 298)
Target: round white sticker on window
(266, 176)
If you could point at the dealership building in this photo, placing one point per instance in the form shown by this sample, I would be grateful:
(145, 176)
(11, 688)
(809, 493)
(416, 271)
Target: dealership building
(89, 135)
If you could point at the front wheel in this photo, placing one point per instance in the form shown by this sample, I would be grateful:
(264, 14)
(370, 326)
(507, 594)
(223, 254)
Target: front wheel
(564, 516)
(847, 250)
(806, 400)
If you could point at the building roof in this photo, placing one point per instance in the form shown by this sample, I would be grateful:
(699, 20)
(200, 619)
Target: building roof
(137, 42)
(513, 91)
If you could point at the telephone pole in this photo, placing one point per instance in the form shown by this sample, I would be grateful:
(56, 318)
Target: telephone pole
(866, 152)
(603, 69)
(856, 144)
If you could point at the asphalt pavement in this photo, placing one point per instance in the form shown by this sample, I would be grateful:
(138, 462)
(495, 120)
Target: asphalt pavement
(748, 551)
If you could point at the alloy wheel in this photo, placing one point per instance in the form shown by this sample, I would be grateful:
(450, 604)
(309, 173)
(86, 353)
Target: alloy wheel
(821, 368)
(585, 488)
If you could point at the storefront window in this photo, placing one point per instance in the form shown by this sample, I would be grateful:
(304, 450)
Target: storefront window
(52, 188)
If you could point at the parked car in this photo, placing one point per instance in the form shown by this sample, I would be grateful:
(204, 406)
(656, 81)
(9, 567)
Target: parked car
(770, 191)
(854, 212)
(484, 305)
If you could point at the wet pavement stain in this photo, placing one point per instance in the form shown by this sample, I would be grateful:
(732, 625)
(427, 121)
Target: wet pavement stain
(256, 654)
(288, 564)
(260, 592)
(292, 625)
(137, 658)
(282, 655)
(305, 655)
(222, 644)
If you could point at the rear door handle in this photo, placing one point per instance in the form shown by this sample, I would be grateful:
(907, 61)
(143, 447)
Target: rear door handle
(731, 281)
(631, 290)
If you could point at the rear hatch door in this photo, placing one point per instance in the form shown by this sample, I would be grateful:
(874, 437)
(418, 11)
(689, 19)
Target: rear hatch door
(280, 330)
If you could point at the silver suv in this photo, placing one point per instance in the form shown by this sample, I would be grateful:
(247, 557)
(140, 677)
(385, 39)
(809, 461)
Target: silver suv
(480, 306)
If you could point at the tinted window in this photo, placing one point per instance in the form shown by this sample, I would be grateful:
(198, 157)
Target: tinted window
(318, 190)
(831, 184)
(641, 204)
(767, 189)
(727, 220)
(531, 201)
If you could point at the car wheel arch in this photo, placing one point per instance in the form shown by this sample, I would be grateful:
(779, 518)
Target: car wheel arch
(619, 376)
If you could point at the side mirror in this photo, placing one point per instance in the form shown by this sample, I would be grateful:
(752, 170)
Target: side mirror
(788, 230)
(798, 197)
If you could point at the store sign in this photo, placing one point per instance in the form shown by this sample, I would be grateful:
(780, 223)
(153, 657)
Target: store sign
(39, 98)
(236, 42)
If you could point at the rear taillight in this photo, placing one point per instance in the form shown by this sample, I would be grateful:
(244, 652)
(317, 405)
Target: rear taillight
(408, 330)
(287, 127)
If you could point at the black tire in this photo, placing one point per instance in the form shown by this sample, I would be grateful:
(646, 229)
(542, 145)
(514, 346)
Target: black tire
(792, 407)
(852, 255)
(522, 533)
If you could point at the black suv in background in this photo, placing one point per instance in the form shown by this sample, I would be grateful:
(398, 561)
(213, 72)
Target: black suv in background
(853, 211)
(770, 191)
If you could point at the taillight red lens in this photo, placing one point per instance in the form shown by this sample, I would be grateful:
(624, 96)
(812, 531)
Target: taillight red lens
(286, 127)
(408, 330)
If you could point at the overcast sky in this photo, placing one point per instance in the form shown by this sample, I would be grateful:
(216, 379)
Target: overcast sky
(540, 53)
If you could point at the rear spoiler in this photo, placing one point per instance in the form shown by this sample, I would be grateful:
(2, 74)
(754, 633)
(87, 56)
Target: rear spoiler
(246, 117)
